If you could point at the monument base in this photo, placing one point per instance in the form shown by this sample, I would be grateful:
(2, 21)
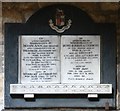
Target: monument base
(30, 89)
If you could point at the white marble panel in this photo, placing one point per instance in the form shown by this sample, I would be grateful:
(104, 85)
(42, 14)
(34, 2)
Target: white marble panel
(80, 59)
(39, 59)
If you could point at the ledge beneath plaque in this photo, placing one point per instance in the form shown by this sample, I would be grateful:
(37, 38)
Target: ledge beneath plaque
(60, 89)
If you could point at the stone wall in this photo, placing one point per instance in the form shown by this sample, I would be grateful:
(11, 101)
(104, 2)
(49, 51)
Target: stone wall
(106, 12)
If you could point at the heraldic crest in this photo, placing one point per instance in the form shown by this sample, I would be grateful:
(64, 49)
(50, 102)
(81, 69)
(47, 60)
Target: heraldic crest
(60, 24)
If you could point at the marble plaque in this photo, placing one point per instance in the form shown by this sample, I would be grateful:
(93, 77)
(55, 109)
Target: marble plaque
(80, 59)
(59, 59)
(39, 59)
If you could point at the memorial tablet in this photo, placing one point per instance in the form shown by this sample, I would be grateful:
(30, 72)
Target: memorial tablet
(39, 59)
(55, 59)
(80, 59)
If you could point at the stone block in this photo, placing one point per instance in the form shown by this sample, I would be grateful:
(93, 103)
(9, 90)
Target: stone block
(89, 6)
(111, 6)
(98, 17)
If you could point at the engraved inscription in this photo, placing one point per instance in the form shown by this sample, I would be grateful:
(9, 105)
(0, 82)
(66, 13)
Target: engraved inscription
(60, 59)
(39, 56)
(80, 59)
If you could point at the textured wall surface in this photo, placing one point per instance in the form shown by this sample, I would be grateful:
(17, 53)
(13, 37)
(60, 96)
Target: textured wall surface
(1, 59)
(20, 12)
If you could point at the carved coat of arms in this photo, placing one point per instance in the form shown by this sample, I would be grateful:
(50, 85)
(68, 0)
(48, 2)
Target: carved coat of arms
(60, 24)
